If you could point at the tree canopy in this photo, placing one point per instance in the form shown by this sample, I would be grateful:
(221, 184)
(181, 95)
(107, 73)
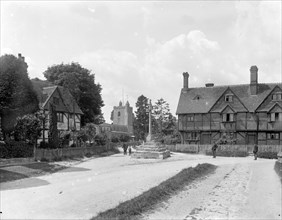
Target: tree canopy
(17, 96)
(81, 84)
(141, 121)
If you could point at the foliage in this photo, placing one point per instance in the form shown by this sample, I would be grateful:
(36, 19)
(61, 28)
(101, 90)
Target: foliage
(101, 139)
(114, 139)
(81, 85)
(15, 149)
(141, 120)
(124, 138)
(53, 137)
(227, 139)
(17, 96)
(29, 127)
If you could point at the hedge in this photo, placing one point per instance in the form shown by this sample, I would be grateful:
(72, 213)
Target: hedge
(16, 150)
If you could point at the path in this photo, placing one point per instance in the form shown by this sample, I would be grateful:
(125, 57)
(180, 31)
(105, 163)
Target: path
(237, 191)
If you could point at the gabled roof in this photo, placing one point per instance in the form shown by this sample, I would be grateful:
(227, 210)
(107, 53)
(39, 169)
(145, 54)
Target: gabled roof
(209, 96)
(69, 103)
(45, 91)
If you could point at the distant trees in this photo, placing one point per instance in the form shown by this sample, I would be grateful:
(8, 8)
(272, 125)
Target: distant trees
(17, 96)
(81, 84)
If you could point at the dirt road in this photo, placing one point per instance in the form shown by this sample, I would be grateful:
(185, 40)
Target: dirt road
(236, 191)
(83, 190)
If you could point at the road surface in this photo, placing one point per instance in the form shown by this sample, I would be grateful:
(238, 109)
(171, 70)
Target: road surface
(84, 190)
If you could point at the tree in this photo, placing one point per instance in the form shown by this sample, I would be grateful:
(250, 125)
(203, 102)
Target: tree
(53, 137)
(165, 121)
(17, 96)
(81, 84)
(141, 120)
(29, 127)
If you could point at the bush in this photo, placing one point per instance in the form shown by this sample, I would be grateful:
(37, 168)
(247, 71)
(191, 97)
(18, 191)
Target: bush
(114, 139)
(16, 150)
(267, 155)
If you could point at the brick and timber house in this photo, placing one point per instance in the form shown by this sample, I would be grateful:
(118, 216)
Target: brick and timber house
(249, 113)
(68, 111)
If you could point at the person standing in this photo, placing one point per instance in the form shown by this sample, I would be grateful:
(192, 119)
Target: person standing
(129, 150)
(255, 151)
(124, 149)
(214, 147)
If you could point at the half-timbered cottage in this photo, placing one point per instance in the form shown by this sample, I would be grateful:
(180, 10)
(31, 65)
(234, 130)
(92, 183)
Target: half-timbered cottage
(249, 113)
(68, 111)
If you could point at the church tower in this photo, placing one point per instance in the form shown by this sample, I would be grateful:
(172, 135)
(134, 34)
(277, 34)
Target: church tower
(123, 115)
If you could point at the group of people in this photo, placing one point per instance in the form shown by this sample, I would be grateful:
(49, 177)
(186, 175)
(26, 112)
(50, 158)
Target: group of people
(125, 147)
(255, 151)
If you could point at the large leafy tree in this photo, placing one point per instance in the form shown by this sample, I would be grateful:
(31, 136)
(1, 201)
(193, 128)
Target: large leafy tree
(81, 84)
(165, 121)
(141, 121)
(17, 96)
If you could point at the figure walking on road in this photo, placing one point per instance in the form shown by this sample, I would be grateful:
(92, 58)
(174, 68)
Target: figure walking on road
(124, 149)
(255, 151)
(129, 150)
(214, 147)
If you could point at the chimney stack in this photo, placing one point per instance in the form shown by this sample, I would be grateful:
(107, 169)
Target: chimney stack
(185, 80)
(21, 57)
(254, 80)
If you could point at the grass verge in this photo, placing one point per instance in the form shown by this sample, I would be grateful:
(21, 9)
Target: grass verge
(132, 209)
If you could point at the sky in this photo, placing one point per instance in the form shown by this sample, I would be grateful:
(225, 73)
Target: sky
(142, 47)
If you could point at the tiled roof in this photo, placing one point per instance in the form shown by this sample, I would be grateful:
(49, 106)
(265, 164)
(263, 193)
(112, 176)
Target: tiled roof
(209, 95)
(44, 92)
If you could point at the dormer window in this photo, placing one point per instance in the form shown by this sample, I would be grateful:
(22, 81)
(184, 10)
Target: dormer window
(277, 96)
(274, 116)
(229, 117)
(229, 98)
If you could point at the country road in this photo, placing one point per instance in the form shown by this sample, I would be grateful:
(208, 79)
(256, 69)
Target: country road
(88, 188)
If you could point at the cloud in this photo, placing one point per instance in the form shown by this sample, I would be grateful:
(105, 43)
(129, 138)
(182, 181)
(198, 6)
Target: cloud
(157, 74)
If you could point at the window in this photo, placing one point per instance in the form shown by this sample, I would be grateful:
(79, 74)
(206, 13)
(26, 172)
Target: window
(229, 117)
(228, 98)
(192, 136)
(274, 116)
(277, 96)
(118, 114)
(190, 118)
(273, 136)
(60, 117)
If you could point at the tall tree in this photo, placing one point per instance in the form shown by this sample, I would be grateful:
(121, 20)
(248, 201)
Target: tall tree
(17, 96)
(165, 121)
(81, 84)
(141, 121)
(53, 135)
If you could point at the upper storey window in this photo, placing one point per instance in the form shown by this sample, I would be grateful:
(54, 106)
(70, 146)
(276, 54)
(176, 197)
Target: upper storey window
(277, 96)
(229, 117)
(228, 98)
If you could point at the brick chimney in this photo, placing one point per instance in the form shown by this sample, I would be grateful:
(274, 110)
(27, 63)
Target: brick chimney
(254, 80)
(21, 57)
(185, 80)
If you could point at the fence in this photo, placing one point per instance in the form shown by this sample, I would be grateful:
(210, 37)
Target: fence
(205, 149)
(70, 152)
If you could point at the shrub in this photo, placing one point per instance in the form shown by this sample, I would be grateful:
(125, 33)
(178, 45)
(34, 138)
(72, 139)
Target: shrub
(16, 150)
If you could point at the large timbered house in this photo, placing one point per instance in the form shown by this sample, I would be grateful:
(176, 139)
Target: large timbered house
(249, 113)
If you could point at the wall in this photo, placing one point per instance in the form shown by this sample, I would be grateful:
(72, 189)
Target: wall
(202, 149)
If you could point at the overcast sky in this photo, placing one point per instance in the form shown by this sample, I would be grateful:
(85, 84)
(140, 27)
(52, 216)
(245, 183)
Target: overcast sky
(144, 47)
